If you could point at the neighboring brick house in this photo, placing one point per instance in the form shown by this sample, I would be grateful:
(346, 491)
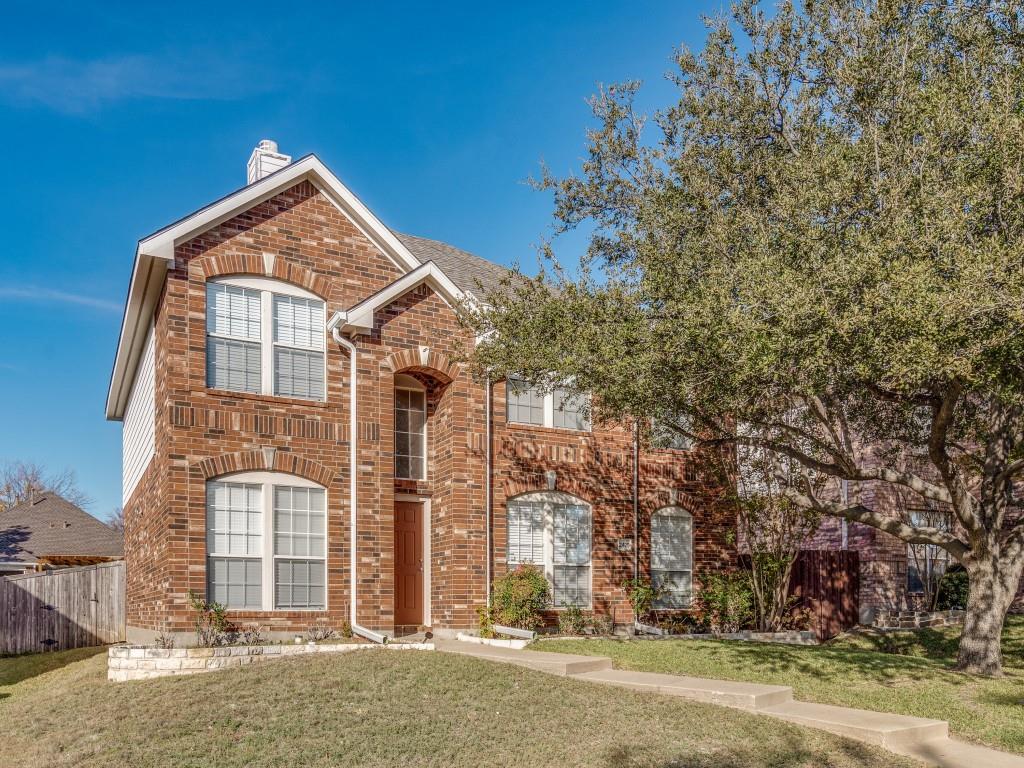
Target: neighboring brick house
(47, 532)
(247, 323)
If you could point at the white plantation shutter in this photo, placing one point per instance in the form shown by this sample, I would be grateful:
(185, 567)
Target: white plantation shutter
(233, 365)
(571, 557)
(300, 534)
(232, 311)
(298, 347)
(672, 556)
(233, 349)
(234, 543)
(525, 533)
(298, 322)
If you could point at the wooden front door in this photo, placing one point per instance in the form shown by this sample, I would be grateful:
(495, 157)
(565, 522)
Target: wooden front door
(408, 562)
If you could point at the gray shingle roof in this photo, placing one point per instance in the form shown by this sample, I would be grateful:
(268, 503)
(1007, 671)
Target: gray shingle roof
(468, 271)
(52, 525)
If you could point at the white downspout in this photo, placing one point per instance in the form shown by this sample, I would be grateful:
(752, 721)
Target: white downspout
(353, 441)
(488, 509)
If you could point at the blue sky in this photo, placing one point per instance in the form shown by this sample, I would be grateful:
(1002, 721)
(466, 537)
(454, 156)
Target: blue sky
(117, 120)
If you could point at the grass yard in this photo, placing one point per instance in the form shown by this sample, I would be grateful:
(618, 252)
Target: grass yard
(371, 709)
(904, 672)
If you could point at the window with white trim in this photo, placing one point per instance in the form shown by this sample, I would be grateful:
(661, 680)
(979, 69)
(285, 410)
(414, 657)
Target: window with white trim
(250, 568)
(560, 408)
(672, 557)
(265, 336)
(410, 428)
(553, 531)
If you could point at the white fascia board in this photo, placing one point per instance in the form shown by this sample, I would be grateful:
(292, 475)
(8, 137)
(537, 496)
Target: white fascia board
(360, 318)
(155, 254)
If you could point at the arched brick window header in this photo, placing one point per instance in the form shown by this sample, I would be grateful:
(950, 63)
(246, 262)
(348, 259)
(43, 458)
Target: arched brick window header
(270, 460)
(226, 264)
(538, 483)
(426, 361)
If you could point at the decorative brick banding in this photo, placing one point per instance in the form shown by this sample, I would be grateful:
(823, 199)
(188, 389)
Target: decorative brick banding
(133, 663)
(889, 619)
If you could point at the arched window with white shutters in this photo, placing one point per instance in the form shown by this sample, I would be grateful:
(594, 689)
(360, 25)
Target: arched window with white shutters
(553, 531)
(672, 557)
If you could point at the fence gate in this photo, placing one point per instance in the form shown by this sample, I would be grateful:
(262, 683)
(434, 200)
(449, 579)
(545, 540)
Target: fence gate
(61, 609)
(827, 582)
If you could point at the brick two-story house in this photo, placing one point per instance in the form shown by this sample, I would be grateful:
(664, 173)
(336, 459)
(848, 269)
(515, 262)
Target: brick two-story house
(302, 443)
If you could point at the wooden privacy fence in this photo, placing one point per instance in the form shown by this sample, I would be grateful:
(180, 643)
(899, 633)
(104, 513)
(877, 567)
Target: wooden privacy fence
(827, 583)
(56, 610)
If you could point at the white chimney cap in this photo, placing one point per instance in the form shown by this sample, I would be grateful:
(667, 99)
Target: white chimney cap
(264, 160)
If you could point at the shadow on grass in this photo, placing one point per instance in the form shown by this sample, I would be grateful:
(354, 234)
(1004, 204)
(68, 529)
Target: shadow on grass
(15, 669)
(795, 752)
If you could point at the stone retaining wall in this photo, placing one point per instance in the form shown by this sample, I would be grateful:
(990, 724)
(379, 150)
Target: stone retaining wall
(887, 618)
(134, 663)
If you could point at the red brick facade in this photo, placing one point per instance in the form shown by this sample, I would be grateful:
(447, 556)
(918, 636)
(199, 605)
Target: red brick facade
(301, 237)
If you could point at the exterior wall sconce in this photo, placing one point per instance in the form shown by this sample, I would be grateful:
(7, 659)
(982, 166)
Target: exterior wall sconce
(552, 479)
(673, 497)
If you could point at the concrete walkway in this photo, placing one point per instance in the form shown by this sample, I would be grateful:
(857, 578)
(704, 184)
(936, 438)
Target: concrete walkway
(916, 737)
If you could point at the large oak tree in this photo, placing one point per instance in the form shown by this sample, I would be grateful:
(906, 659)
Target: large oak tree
(820, 241)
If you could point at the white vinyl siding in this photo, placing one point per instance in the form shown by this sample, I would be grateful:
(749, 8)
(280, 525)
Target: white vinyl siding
(265, 337)
(672, 557)
(137, 429)
(559, 408)
(553, 531)
(266, 540)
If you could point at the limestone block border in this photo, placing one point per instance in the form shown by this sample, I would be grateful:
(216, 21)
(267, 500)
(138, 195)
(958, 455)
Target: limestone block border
(125, 662)
(495, 641)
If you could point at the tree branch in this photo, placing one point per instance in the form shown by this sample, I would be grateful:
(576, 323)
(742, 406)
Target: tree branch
(858, 513)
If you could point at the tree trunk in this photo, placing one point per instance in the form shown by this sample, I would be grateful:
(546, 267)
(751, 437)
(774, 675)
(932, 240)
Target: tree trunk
(987, 603)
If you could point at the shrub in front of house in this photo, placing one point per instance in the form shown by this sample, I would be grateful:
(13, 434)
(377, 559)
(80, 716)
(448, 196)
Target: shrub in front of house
(520, 597)
(726, 602)
(571, 621)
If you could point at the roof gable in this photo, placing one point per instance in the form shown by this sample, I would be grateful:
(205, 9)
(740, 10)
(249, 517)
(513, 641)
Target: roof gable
(155, 255)
(360, 318)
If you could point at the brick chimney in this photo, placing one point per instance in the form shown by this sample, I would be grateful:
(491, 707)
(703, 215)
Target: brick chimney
(265, 159)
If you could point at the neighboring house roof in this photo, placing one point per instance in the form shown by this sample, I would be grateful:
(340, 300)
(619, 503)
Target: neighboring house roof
(468, 271)
(50, 525)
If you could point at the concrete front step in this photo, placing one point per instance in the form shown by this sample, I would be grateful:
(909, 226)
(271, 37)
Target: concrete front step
(949, 753)
(722, 692)
(554, 663)
(885, 730)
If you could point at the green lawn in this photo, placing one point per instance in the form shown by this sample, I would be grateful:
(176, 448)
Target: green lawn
(906, 672)
(380, 708)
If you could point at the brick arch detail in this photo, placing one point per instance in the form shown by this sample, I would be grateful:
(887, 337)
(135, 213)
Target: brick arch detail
(268, 460)
(222, 265)
(538, 483)
(426, 361)
(651, 502)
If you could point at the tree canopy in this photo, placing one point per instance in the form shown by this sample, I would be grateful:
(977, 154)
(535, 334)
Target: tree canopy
(819, 243)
